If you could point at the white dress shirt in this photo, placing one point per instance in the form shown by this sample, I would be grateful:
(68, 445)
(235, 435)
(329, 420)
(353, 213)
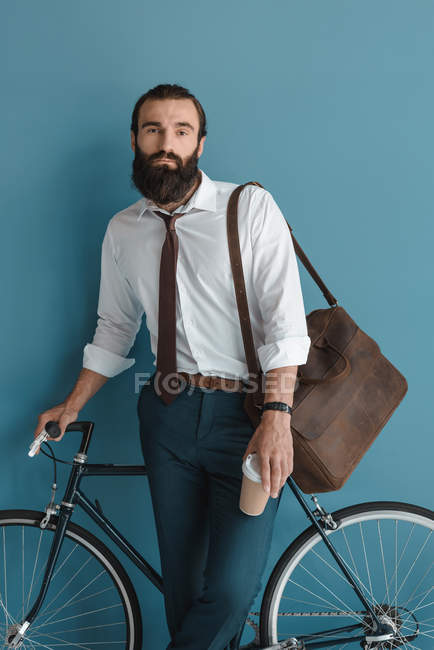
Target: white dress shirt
(208, 332)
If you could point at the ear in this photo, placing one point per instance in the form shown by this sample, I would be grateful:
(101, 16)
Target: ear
(133, 141)
(202, 142)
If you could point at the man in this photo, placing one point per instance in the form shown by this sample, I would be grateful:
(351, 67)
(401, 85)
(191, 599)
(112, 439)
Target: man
(166, 256)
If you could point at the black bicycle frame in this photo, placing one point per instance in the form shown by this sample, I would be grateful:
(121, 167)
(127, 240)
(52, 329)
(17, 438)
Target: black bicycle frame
(74, 496)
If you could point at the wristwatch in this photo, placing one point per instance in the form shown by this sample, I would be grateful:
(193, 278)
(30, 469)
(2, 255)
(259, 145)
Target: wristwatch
(276, 406)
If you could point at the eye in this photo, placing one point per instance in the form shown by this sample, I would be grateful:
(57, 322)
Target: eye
(185, 132)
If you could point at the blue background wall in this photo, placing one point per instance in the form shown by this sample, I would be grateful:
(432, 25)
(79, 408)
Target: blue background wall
(329, 105)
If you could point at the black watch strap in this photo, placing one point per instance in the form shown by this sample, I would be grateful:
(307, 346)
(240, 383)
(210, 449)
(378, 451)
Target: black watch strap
(277, 406)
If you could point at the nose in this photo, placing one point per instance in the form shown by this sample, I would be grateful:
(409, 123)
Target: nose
(167, 142)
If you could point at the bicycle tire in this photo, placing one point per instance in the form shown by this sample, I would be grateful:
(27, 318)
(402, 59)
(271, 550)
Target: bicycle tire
(90, 545)
(298, 550)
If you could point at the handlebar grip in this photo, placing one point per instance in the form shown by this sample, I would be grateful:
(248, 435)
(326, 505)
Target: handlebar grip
(53, 429)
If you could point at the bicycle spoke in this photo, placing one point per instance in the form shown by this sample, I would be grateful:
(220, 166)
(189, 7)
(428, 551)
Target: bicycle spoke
(7, 615)
(72, 597)
(42, 569)
(93, 611)
(80, 600)
(366, 561)
(341, 575)
(350, 554)
(66, 585)
(407, 644)
(329, 590)
(397, 564)
(83, 644)
(414, 563)
(404, 641)
(34, 566)
(60, 567)
(64, 642)
(383, 560)
(422, 633)
(312, 594)
(422, 606)
(91, 627)
(412, 597)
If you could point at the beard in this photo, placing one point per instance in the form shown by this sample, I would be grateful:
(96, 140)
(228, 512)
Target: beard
(161, 183)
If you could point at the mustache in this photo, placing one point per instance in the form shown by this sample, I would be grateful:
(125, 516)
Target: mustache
(164, 156)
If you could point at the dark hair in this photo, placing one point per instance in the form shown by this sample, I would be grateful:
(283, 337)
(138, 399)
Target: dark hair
(169, 91)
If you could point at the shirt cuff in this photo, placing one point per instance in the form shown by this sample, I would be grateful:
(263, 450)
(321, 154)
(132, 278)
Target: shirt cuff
(292, 351)
(104, 362)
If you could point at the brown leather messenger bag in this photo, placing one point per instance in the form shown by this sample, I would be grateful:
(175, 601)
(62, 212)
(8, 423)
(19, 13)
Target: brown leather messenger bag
(345, 392)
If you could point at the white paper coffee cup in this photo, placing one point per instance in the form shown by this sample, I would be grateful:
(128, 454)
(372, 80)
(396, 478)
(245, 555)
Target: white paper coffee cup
(253, 497)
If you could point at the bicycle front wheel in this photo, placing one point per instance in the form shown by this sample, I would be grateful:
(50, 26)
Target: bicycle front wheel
(90, 602)
(387, 548)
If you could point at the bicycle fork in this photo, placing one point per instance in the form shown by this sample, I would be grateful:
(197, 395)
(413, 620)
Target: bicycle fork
(16, 632)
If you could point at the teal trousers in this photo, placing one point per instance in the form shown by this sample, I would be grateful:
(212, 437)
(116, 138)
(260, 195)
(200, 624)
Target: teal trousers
(212, 554)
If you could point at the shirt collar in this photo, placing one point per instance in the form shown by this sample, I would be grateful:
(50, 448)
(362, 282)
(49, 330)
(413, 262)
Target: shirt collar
(204, 198)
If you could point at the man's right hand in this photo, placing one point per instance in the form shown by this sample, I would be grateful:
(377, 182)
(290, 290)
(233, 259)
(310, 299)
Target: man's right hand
(61, 414)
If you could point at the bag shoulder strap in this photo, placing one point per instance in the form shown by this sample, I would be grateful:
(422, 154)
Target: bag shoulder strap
(238, 276)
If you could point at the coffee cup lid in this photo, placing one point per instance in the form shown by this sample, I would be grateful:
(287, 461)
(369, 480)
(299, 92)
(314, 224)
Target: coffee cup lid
(252, 468)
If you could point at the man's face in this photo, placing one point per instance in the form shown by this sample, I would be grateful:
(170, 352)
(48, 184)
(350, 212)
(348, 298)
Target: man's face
(166, 149)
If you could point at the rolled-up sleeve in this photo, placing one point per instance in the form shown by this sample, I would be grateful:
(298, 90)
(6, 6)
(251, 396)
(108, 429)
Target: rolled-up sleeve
(120, 316)
(277, 286)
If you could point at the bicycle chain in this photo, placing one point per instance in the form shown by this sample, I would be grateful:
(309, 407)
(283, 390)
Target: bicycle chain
(338, 613)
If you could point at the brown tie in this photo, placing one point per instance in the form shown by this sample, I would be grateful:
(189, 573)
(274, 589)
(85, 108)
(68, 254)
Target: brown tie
(167, 381)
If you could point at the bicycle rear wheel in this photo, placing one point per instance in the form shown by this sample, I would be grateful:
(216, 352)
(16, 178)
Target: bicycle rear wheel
(388, 549)
(90, 602)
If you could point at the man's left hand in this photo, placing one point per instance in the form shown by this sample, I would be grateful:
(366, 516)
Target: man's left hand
(272, 441)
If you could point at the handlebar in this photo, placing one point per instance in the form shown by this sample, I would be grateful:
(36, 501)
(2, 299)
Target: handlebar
(52, 430)
(86, 428)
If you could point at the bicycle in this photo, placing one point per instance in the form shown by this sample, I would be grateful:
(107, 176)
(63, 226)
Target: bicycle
(366, 564)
